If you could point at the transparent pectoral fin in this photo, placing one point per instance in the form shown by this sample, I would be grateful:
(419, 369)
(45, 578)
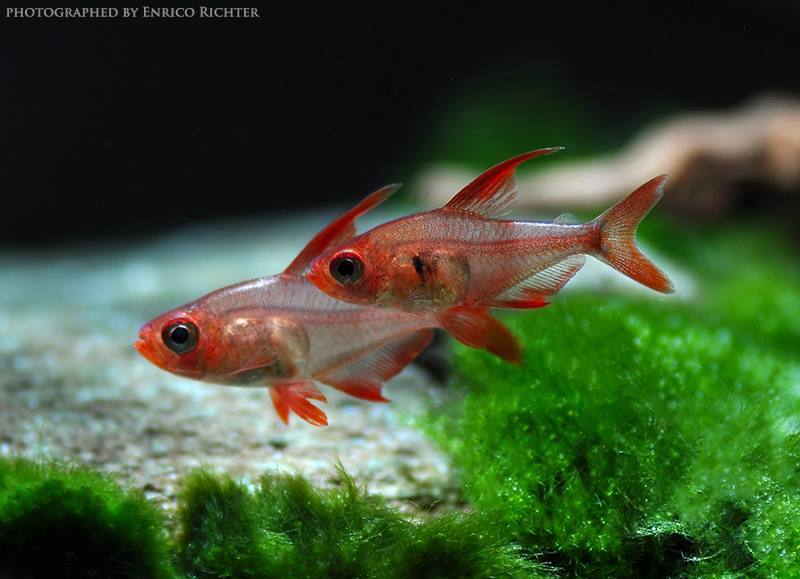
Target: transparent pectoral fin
(277, 346)
(260, 359)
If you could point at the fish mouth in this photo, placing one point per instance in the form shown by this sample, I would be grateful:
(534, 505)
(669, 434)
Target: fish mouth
(143, 347)
(151, 353)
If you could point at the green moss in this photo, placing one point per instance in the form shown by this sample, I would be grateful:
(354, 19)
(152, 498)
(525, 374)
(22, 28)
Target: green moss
(644, 437)
(282, 527)
(749, 278)
(70, 522)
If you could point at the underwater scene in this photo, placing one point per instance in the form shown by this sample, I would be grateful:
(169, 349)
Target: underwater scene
(232, 344)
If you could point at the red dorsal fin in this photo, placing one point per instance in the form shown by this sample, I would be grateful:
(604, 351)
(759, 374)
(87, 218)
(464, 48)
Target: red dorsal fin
(494, 192)
(295, 396)
(339, 230)
(475, 327)
(363, 375)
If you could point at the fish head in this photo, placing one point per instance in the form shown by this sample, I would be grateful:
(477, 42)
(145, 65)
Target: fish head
(384, 273)
(354, 273)
(184, 341)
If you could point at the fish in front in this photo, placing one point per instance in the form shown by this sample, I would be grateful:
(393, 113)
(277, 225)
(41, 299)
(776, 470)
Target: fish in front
(458, 261)
(282, 332)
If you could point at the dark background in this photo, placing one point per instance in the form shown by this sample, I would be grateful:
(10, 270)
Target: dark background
(132, 127)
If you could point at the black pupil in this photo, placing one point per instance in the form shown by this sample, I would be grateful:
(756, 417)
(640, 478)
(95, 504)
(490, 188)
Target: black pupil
(346, 267)
(179, 334)
(180, 337)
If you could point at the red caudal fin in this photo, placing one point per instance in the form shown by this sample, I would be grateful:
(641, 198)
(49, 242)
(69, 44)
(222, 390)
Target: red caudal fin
(339, 230)
(494, 192)
(363, 374)
(476, 328)
(618, 236)
(295, 396)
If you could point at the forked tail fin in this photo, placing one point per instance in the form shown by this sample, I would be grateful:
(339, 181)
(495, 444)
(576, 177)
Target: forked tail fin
(618, 236)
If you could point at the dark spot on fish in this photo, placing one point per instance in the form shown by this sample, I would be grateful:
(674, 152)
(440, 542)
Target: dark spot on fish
(419, 266)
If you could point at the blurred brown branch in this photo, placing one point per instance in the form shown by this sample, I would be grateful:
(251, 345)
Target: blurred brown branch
(708, 157)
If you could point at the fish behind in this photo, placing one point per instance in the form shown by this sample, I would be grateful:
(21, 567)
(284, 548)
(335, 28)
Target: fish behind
(283, 333)
(458, 261)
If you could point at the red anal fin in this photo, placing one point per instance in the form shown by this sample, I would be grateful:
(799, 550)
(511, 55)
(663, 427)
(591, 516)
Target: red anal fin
(363, 375)
(295, 396)
(339, 230)
(521, 303)
(476, 328)
(360, 388)
(494, 192)
(534, 291)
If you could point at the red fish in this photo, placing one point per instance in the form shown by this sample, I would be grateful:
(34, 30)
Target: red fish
(284, 333)
(458, 261)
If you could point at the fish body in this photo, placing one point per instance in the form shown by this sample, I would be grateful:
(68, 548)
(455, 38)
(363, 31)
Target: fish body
(457, 261)
(282, 332)
(464, 259)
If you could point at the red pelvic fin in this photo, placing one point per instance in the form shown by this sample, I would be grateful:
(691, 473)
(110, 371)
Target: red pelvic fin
(363, 374)
(476, 328)
(295, 396)
(494, 192)
(618, 236)
(339, 230)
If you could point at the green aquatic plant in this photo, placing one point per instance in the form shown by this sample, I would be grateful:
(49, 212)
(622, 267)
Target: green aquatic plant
(70, 522)
(282, 527)
(642, 437)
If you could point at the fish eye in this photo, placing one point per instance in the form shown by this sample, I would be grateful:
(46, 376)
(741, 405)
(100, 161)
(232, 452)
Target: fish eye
(347, 268)
(180, 336)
